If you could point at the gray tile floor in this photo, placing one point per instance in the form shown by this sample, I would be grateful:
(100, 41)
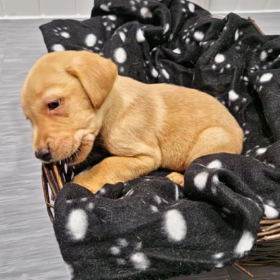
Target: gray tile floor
(28, 249)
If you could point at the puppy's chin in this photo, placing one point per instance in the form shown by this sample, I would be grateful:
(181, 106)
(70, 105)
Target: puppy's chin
(80, 155)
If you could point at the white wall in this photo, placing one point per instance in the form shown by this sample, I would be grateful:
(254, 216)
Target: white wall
(222, 6)
(82, 8)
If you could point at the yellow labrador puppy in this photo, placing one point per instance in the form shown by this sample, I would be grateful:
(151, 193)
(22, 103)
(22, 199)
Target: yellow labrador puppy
(72, 97)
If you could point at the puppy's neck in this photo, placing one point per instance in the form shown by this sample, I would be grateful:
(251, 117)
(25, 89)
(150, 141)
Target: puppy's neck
(118, 100)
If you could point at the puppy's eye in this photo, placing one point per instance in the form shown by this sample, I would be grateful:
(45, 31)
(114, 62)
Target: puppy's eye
(54, 105)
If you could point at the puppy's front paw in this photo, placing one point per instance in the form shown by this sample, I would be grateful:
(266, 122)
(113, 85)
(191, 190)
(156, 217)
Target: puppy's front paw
(176, 178)
(89, 183)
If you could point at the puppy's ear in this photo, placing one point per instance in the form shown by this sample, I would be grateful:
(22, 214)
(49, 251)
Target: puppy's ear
(96, 74)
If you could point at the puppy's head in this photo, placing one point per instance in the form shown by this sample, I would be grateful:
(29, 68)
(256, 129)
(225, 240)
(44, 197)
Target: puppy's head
(63, 96)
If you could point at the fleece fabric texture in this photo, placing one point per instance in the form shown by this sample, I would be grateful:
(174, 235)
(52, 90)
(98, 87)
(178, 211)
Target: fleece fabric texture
(150, 228)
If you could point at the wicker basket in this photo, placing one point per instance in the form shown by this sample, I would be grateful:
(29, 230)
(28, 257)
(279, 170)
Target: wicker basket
(266, 250)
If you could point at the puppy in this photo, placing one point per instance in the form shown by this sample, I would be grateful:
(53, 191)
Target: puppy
(72, 97)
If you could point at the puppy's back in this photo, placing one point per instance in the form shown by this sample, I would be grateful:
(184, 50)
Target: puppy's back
(195, 124)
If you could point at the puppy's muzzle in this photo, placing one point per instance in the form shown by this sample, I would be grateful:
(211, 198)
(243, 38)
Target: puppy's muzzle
(43, 154)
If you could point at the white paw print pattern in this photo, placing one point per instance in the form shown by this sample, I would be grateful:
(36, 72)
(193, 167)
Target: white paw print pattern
(245, 243)
(154, 209)
(257, 150)
(187, 7)
(265, 53)
(245, 79)
(62, 32)
(158, 201)
(220, 63)
(257, 48)
(77, 224)
(262, 80)
(154, 71)
(92, 42)
(165, 74)
(191, 35)
(140, 38)
(162, 72)
(174, 225)
(254, 68)
(184, 10)
(246, 131)
(191, 7)
(130, 253)
(177, 51)
(145, 12)
(270, 212)
(205, 45)
(200, 180)
(166, 28)
(218, 257)
(109, 22)
(267, 58)
(120, 54)
(238, 34)
(141, 7)
(140, 261)
(69, 270)
(133, 5)
(261, 151)
(122, 34)
(266, 78)
(263, 56)
(106, 7)
(57, 48)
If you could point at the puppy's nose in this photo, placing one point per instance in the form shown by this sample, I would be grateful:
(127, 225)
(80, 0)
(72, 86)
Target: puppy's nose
(43, 154)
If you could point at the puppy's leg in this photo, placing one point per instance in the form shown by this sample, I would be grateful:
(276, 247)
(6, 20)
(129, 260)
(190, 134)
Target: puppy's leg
(211, 141)
(215, 140)
(176, 178)
(116, 169)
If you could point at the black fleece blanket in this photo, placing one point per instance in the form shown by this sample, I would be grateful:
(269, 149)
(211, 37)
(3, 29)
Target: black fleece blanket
(150, 228)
